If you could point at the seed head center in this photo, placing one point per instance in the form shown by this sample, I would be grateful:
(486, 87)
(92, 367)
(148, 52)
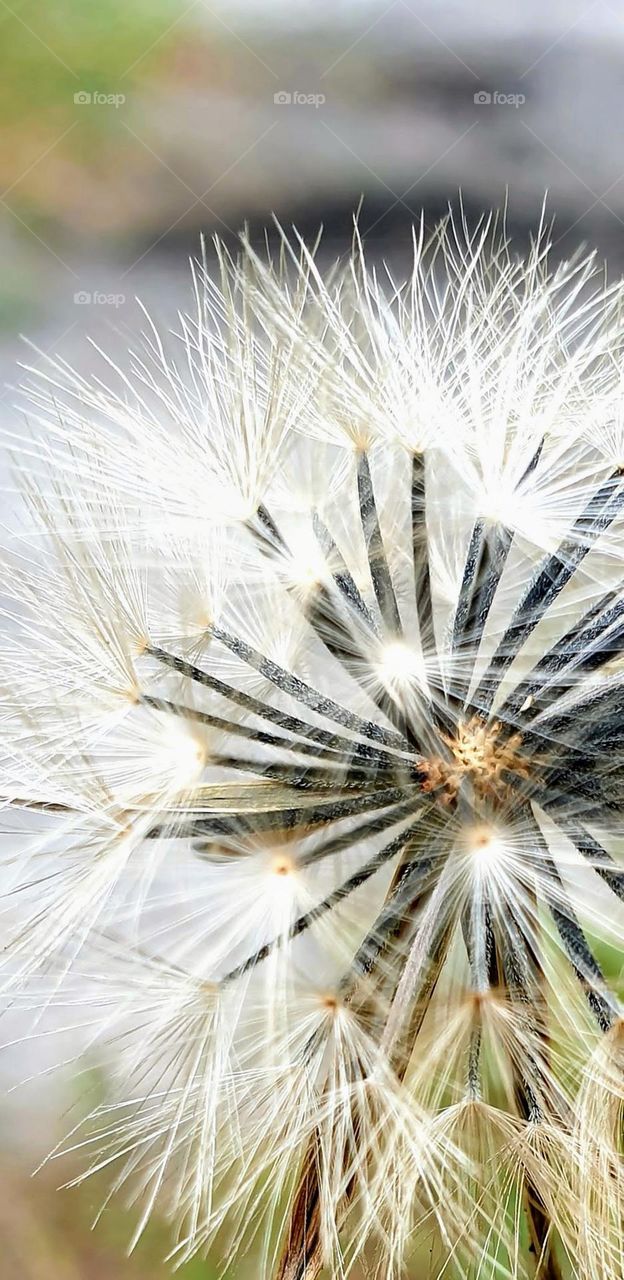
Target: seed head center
(481, 752)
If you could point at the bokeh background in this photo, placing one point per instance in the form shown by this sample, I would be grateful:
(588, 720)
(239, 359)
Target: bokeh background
(129, 127)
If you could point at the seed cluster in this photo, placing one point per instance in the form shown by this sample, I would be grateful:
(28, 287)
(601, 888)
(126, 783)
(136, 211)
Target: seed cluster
(481, 753)
(340, 888)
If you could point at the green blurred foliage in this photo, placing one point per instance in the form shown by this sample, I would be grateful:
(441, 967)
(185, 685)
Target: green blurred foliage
(53, 1233)
(48, 52)
(61, 160)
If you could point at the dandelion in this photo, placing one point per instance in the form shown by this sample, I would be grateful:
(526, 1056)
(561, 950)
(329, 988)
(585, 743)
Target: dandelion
(313, 690)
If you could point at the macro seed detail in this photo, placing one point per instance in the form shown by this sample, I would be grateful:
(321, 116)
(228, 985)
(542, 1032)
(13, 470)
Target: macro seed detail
(335, 888)
(481, 753)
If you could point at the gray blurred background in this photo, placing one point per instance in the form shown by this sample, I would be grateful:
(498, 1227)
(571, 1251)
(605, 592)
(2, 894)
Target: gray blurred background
(131, 126)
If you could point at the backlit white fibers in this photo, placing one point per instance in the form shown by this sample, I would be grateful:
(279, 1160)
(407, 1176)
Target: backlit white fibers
(313, 700)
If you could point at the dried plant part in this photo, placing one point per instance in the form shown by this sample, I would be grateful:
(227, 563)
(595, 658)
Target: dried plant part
(312, 735)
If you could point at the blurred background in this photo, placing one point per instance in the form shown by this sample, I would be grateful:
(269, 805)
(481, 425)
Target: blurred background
(128, 127)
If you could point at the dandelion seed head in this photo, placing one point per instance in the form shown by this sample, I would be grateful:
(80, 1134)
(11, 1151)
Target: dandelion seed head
(312, 757)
